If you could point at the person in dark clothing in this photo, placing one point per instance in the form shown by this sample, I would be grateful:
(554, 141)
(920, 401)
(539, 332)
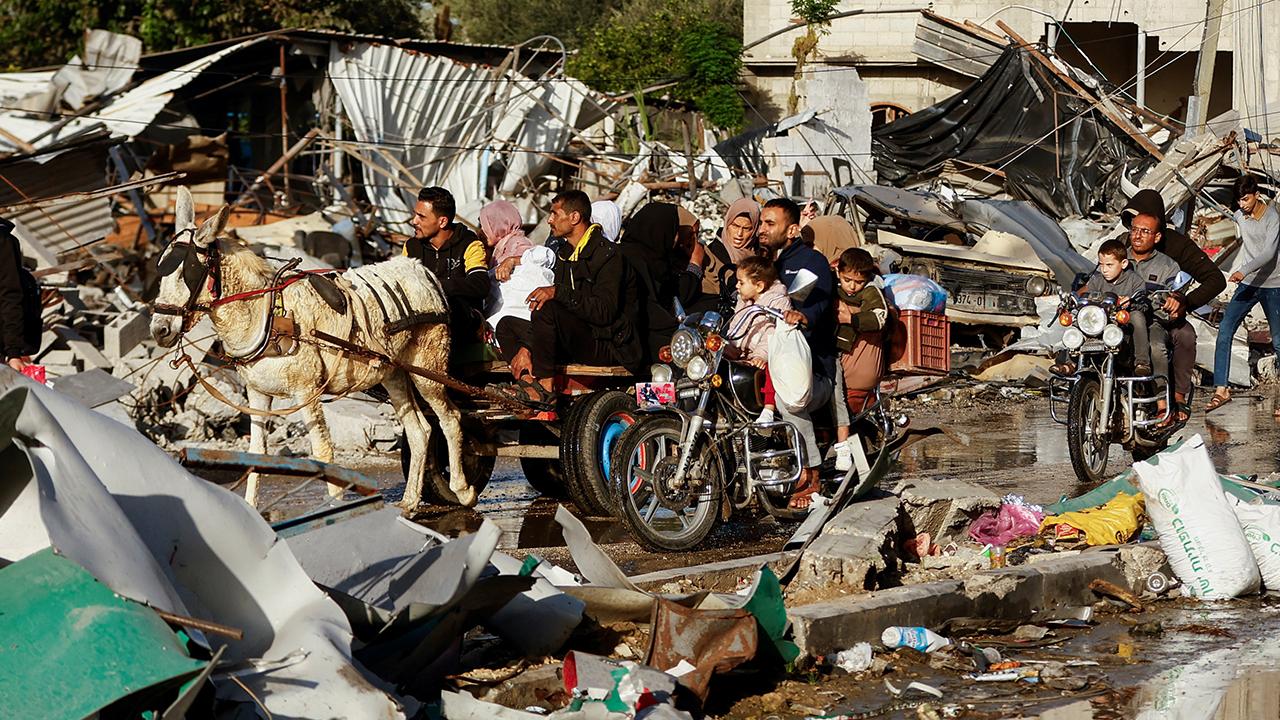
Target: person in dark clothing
(667, 262)
(20, 325)
(780, 235)
(583, 317)
(456, 256)
(1191, 259)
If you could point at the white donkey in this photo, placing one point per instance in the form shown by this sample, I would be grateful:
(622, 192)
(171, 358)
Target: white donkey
(395, 308)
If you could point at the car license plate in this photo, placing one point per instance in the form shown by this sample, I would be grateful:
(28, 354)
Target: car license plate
(651, 394)
(979, 301)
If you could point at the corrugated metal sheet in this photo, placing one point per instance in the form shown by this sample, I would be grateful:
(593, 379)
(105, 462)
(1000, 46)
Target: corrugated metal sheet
(129, 114)
(58, 229)
(962, 47)
(437, 119)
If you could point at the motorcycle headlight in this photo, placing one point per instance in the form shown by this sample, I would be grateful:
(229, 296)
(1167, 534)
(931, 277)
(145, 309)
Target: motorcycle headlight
(1112, 336)
(1037, 286)
(1091, 320)
(1073, 338)
(684, 345)
(698, 368)
(660, 373)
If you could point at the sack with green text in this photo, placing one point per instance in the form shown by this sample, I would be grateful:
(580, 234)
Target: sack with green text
(1261, 525)
(1198, 529)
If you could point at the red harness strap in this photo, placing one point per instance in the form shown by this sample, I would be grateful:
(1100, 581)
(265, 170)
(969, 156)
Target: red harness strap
(263, 291)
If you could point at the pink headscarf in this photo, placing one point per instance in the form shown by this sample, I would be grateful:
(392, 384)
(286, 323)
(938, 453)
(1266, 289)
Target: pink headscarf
(503, 231)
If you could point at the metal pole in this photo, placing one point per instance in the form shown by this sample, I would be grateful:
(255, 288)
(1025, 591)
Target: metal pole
(284, 121)
(1142, 69)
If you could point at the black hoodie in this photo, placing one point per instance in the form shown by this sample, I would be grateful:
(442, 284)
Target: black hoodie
(20, 325)
(1190, 258)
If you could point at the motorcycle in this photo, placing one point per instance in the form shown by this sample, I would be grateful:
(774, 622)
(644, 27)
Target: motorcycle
(1103, 402)
(697, 454)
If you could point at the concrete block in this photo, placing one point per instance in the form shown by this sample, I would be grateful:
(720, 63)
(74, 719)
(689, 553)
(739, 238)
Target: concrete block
(84, 350)
(943, 507)
(856, 547)
(359, 425)
(125, 333)
(838, 624)
(213, 410)
(1139, 561)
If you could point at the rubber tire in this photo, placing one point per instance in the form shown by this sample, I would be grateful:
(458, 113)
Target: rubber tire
(435, 481)
(622, 452)
(1076, 419)
(587, 453)
(572, 482)
(544, 475)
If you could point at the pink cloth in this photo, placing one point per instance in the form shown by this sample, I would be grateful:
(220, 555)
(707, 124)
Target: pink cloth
(1011, 522)
(503, 231)
(750, 335)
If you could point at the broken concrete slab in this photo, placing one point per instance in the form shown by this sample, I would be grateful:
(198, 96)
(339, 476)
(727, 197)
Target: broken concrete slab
(125, 333)
(84, 350)
(1010, 593)
(359, 425)
(93, 387)
(943, 507)
(856, 546)
(723, 576)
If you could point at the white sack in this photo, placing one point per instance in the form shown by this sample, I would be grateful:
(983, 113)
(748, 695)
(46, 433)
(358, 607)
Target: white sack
(1261, 526)
(1198, 529)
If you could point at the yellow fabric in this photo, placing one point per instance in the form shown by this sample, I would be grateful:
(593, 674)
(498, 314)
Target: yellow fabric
(475, 257)
(583, 242)
(404, 249)
(1110, 524)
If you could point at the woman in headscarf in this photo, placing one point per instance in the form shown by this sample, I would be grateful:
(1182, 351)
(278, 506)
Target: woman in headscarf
(608, 216)
(737, 241)
(664, 270)
(830, 235)
(503, 231)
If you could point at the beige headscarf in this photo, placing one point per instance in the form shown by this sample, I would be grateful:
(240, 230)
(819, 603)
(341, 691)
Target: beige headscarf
(750, 208)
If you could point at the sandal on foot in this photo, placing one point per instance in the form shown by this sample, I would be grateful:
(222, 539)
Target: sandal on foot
(802, 498)
(1066, 369)
(1177, 417)
(527, 392)
(1142, 370)
(1216, 402)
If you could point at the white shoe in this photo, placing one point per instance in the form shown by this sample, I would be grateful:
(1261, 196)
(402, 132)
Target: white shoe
(844, 457)
(766, 416)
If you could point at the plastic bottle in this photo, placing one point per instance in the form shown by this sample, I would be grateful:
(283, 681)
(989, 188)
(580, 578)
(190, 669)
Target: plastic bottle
(919, 638)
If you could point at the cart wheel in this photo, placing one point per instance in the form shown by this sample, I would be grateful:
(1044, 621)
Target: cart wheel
(589, 442)
(543, 474)
(435, 484)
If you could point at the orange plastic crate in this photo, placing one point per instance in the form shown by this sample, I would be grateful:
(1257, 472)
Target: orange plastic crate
(921, 344)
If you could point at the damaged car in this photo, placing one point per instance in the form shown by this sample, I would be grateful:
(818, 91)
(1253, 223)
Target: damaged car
(993, 257)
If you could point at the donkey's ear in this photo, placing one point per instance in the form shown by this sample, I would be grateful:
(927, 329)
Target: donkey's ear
(212, 228)
(184, 215)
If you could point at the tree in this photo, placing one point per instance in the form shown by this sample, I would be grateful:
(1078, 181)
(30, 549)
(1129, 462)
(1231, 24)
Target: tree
(48, 32)
(511, 22)
(695, 44)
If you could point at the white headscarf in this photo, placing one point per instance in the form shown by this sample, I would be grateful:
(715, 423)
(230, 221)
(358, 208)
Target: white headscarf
(608, 216)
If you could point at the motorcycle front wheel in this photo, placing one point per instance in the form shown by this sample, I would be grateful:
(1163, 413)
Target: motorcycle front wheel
(657, 515)
(1088, 445)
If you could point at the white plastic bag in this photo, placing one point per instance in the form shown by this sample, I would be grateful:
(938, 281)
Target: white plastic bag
(1261, 526)
(1198, 529)
(791, 367)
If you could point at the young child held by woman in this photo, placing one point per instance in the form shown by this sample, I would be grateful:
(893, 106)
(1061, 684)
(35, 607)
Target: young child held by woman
(862, 312)
(758, 284)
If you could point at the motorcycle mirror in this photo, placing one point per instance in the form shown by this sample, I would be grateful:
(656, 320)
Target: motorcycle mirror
(680, 313)
(804, 284)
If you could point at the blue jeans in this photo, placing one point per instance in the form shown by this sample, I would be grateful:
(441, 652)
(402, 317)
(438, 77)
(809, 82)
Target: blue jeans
(1241, 303)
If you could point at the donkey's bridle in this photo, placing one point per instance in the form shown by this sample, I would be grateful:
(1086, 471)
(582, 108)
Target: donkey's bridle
(198, 265)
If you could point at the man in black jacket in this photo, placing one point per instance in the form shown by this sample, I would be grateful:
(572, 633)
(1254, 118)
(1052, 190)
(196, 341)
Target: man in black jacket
(455, 256)
(584, 317)
(1209, 280)
(20, 327)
